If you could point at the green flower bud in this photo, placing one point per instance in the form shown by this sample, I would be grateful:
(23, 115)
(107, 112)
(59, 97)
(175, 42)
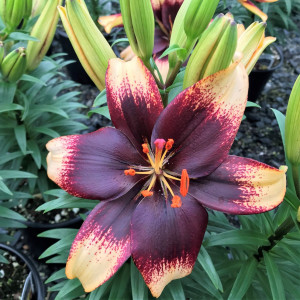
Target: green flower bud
(198, 16)
(139, 25)
(43, 30)
(292, 125)
(14, 65)
(214, 51)
(12, 13)
(28, 9)
(88, 42)
(37, 7)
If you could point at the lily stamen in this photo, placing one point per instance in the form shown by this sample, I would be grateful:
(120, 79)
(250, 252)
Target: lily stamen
(169, 146)
(184, 183)
(170, 176)
(147, 152)
(147, 193)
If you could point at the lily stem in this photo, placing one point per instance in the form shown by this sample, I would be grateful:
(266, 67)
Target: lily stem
(148, 66)
(173, 74)
(278, 235)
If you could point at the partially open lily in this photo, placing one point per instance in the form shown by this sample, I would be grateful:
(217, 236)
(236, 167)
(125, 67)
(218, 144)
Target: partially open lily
(155, 171)
(254, 9)
(165, 12)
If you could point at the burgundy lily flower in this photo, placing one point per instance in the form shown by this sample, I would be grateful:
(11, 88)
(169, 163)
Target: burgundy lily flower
(155, 171)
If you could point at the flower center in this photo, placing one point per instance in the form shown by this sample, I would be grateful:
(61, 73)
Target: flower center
(157, 171)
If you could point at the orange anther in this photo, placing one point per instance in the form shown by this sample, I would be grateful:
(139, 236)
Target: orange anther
(184, 183)
(130, 172)
(176, 201)
(169, 144)
(145, 148)
(159, 144)
(146, 193)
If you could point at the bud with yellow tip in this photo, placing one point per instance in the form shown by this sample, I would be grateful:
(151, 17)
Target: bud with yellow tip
(214, 51)
(138, 19)
(43, 30)
(88, 42)
(252, 43)
(37, 7)
(292, 125)
(14, 65)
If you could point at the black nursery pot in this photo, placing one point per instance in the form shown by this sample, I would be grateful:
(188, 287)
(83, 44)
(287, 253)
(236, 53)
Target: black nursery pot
(259, 77)
(34, 288)
(38, 245)
(76, 71)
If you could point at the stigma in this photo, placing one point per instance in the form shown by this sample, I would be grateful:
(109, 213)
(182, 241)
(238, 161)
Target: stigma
(157, 171)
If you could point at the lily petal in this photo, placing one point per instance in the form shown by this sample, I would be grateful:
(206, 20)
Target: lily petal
(165, 241)
(133, 99)
(92, 165)
(102, 244)
(203, 121)
(109, 22)
(254, 9)
(241, 186)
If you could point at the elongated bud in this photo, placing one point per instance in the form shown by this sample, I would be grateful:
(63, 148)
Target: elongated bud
(214, 51)
(249, 41)
(14, 65)
(252, 42)
(43, 30)
(178, 35)
(292, 125)
(139, 25)
(88, 42)
(198, 16)
(27, 9)
(12, 13)
(37, 7)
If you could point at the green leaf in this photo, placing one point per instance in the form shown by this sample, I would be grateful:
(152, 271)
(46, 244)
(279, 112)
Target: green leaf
(208, 266)
(4, 188)
(101, 111)
(57, 275)
(20, 134)
(7, 213)
(100, 99)
(120, 284)
(26, 77)
(138, 287)
(7, 91)
(176, 290)
(19, 36)
(274, 276)
(62, 245)
(252, 104)
(58, 233)
(244, 279)
(9, 223)
(174, 48)
(16, 174)
(10, 107)
(120, 41)
(237, 238)
(280, 117)
(49, 108)
(100, 291)
(71, 290)
(47, 131)
(36, 153)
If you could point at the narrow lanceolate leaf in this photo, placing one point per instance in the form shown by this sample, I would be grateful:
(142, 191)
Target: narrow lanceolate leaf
(244, 279)
(208, 266)
(274, 276)
(16, 174)
(8, 213)
(138, 287)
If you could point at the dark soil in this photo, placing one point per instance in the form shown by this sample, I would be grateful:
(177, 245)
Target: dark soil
(12, 277)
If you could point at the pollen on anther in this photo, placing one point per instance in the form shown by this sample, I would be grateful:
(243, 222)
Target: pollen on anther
(145, 148)
(184, 183)
(146, 193)
(159, 144)
(169, 144)
(130, 172)
(176, 202)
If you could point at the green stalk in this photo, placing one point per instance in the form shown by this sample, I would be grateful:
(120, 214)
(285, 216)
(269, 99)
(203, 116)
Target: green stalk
(295, 171)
